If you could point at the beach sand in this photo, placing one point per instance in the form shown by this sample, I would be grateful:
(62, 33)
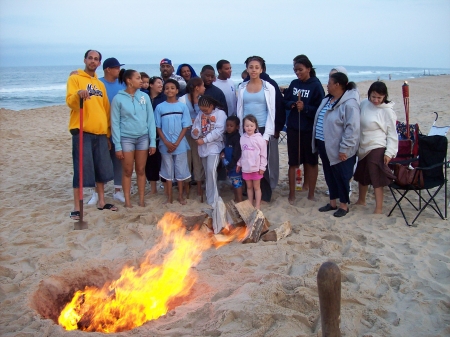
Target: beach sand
(395, 279)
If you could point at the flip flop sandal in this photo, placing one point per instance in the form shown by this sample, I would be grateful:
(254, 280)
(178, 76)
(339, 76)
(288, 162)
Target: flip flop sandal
(75, 215)
(111, 207)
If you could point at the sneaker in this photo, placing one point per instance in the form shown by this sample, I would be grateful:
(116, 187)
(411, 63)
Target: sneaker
(94, 199)
(119, 196)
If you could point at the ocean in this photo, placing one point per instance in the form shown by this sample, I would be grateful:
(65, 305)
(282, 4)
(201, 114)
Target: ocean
(35, 87)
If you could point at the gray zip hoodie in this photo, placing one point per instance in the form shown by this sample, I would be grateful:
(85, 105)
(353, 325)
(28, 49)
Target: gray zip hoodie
(340, 127)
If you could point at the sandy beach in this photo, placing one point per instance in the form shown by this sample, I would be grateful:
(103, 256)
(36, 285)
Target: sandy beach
(395, 279)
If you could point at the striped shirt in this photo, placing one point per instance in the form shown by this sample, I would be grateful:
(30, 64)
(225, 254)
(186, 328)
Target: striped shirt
(319, 125)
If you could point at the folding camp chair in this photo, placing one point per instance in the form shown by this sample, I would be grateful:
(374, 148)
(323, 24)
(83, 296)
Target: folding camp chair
(432, 163)
(438, 130)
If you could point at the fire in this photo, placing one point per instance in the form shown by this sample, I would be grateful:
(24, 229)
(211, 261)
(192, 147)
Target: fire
(144, 293)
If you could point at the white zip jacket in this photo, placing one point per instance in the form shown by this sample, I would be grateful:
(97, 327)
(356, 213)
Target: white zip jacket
(269, 94)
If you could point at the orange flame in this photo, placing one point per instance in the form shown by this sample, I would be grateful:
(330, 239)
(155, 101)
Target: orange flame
(141, 294)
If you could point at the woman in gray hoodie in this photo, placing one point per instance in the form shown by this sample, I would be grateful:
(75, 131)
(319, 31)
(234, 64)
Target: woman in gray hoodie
(336, 138)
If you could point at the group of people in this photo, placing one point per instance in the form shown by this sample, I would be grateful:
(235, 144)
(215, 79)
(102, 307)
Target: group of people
(180, 127)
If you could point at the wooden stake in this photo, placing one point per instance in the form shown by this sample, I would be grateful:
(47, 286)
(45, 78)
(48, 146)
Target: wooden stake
(329, 284)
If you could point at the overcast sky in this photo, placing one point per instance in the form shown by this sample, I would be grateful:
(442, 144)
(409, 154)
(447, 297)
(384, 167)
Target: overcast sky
(410, 33)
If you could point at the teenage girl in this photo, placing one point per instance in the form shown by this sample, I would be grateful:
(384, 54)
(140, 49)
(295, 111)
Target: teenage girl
(207, 130)
(253, 160)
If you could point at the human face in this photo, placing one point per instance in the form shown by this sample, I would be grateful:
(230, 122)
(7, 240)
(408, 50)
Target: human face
(207, 110)
(200, 89)
(225, 72)
(170, 90)
(135, 81)
(302, 72)
(231, 127)
(145, 83)
(249, 127)
(92, 61)
(113, 72)
(376, 98)
(332, 86)
(185, 73)
(157, 86)
(166, 70)
(254, 69)
(208, 77)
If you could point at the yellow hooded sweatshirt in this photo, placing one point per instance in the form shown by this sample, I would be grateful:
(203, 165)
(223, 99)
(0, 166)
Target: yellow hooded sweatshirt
(96, 114)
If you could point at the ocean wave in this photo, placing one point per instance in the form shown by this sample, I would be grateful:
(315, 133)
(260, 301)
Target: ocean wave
(27, 89)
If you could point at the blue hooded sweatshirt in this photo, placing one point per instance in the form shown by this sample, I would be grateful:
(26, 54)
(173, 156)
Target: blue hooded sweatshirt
(132, 117)
(311, 93)
(193, 73)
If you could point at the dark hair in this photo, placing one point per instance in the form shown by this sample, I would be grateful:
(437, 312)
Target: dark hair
(304, 60)
(221, 63)
(125, 74)
(298, 57)
(207, 67)
(190, 87)
(256, 58)
(144, 75)
(234, 119)
(380, 88)
(207, 100)
(87, 53)
(252, 119)
(342, 80)
(154, 78)
(171, 80)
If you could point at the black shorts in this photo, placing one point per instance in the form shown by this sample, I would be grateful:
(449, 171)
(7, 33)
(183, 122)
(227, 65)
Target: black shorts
(306, 155)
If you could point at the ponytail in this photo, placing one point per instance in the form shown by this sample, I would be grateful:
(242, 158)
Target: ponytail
(125, 74)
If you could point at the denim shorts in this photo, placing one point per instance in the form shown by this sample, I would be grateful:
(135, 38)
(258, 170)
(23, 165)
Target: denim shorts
(132, 144)
(97, 165)
(174, 166)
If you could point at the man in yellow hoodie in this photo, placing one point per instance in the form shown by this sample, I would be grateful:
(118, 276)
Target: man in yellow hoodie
(97, 166)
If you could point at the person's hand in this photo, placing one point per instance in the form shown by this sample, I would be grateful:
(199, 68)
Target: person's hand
(200, 141)
(299, 105)
(109, 144)
(238, 168)
(342, 156)
(276, 134)
(119, 155)
(267, 142)
(387, 159)
(261, 172)
(171, 147)
(84, 94)
(222, 155)
(195, 132)
(151, 150)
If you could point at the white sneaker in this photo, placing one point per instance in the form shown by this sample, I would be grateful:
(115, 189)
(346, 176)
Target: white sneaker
(94, 199)
(119, 196)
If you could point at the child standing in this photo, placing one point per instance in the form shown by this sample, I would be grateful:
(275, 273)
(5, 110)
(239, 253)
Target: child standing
(172, 121)
(208, 129)
(231, 154)
(253, 160)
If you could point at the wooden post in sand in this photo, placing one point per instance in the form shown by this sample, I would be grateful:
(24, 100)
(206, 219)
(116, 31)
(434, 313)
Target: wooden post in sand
(329, 284)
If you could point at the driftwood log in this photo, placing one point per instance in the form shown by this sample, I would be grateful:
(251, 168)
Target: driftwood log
(192, 220)
(329, 285)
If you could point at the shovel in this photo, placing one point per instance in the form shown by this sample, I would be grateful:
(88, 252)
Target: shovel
(81, 224)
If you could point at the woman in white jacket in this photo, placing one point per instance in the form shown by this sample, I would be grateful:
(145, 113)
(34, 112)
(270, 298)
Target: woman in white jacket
(378, 144)
(207, 130)
(257, 97)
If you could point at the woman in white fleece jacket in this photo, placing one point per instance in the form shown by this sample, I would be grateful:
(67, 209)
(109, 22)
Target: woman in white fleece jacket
(378, 144)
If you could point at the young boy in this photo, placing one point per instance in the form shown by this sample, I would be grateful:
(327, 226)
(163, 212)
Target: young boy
(231, 154)
(172, 120)
(145, 83)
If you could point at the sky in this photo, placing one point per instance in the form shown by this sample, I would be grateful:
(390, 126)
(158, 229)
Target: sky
(391, 33)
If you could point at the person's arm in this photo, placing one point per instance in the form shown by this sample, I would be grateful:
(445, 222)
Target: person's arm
(288, 99)
(115, 124)
(237, 152)
(270, 121)
(219, 128)
(263, 156)
(151, 125)
(350, 137)
(74, 94)
(222, 100)
(310, 109)
(391, 135)
(197, 126)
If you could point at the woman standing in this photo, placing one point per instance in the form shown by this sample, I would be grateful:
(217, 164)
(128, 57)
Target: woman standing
(257, 97)
(133, 131)
(153, 164)
(378, 144)
(336, 138)
(303, 97)
(186, 71)
(194, 89)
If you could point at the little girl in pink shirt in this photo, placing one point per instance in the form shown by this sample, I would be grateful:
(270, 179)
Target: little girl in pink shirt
(253, 159)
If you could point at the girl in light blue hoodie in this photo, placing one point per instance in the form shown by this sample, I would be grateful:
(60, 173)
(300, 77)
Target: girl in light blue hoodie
(133, 131)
